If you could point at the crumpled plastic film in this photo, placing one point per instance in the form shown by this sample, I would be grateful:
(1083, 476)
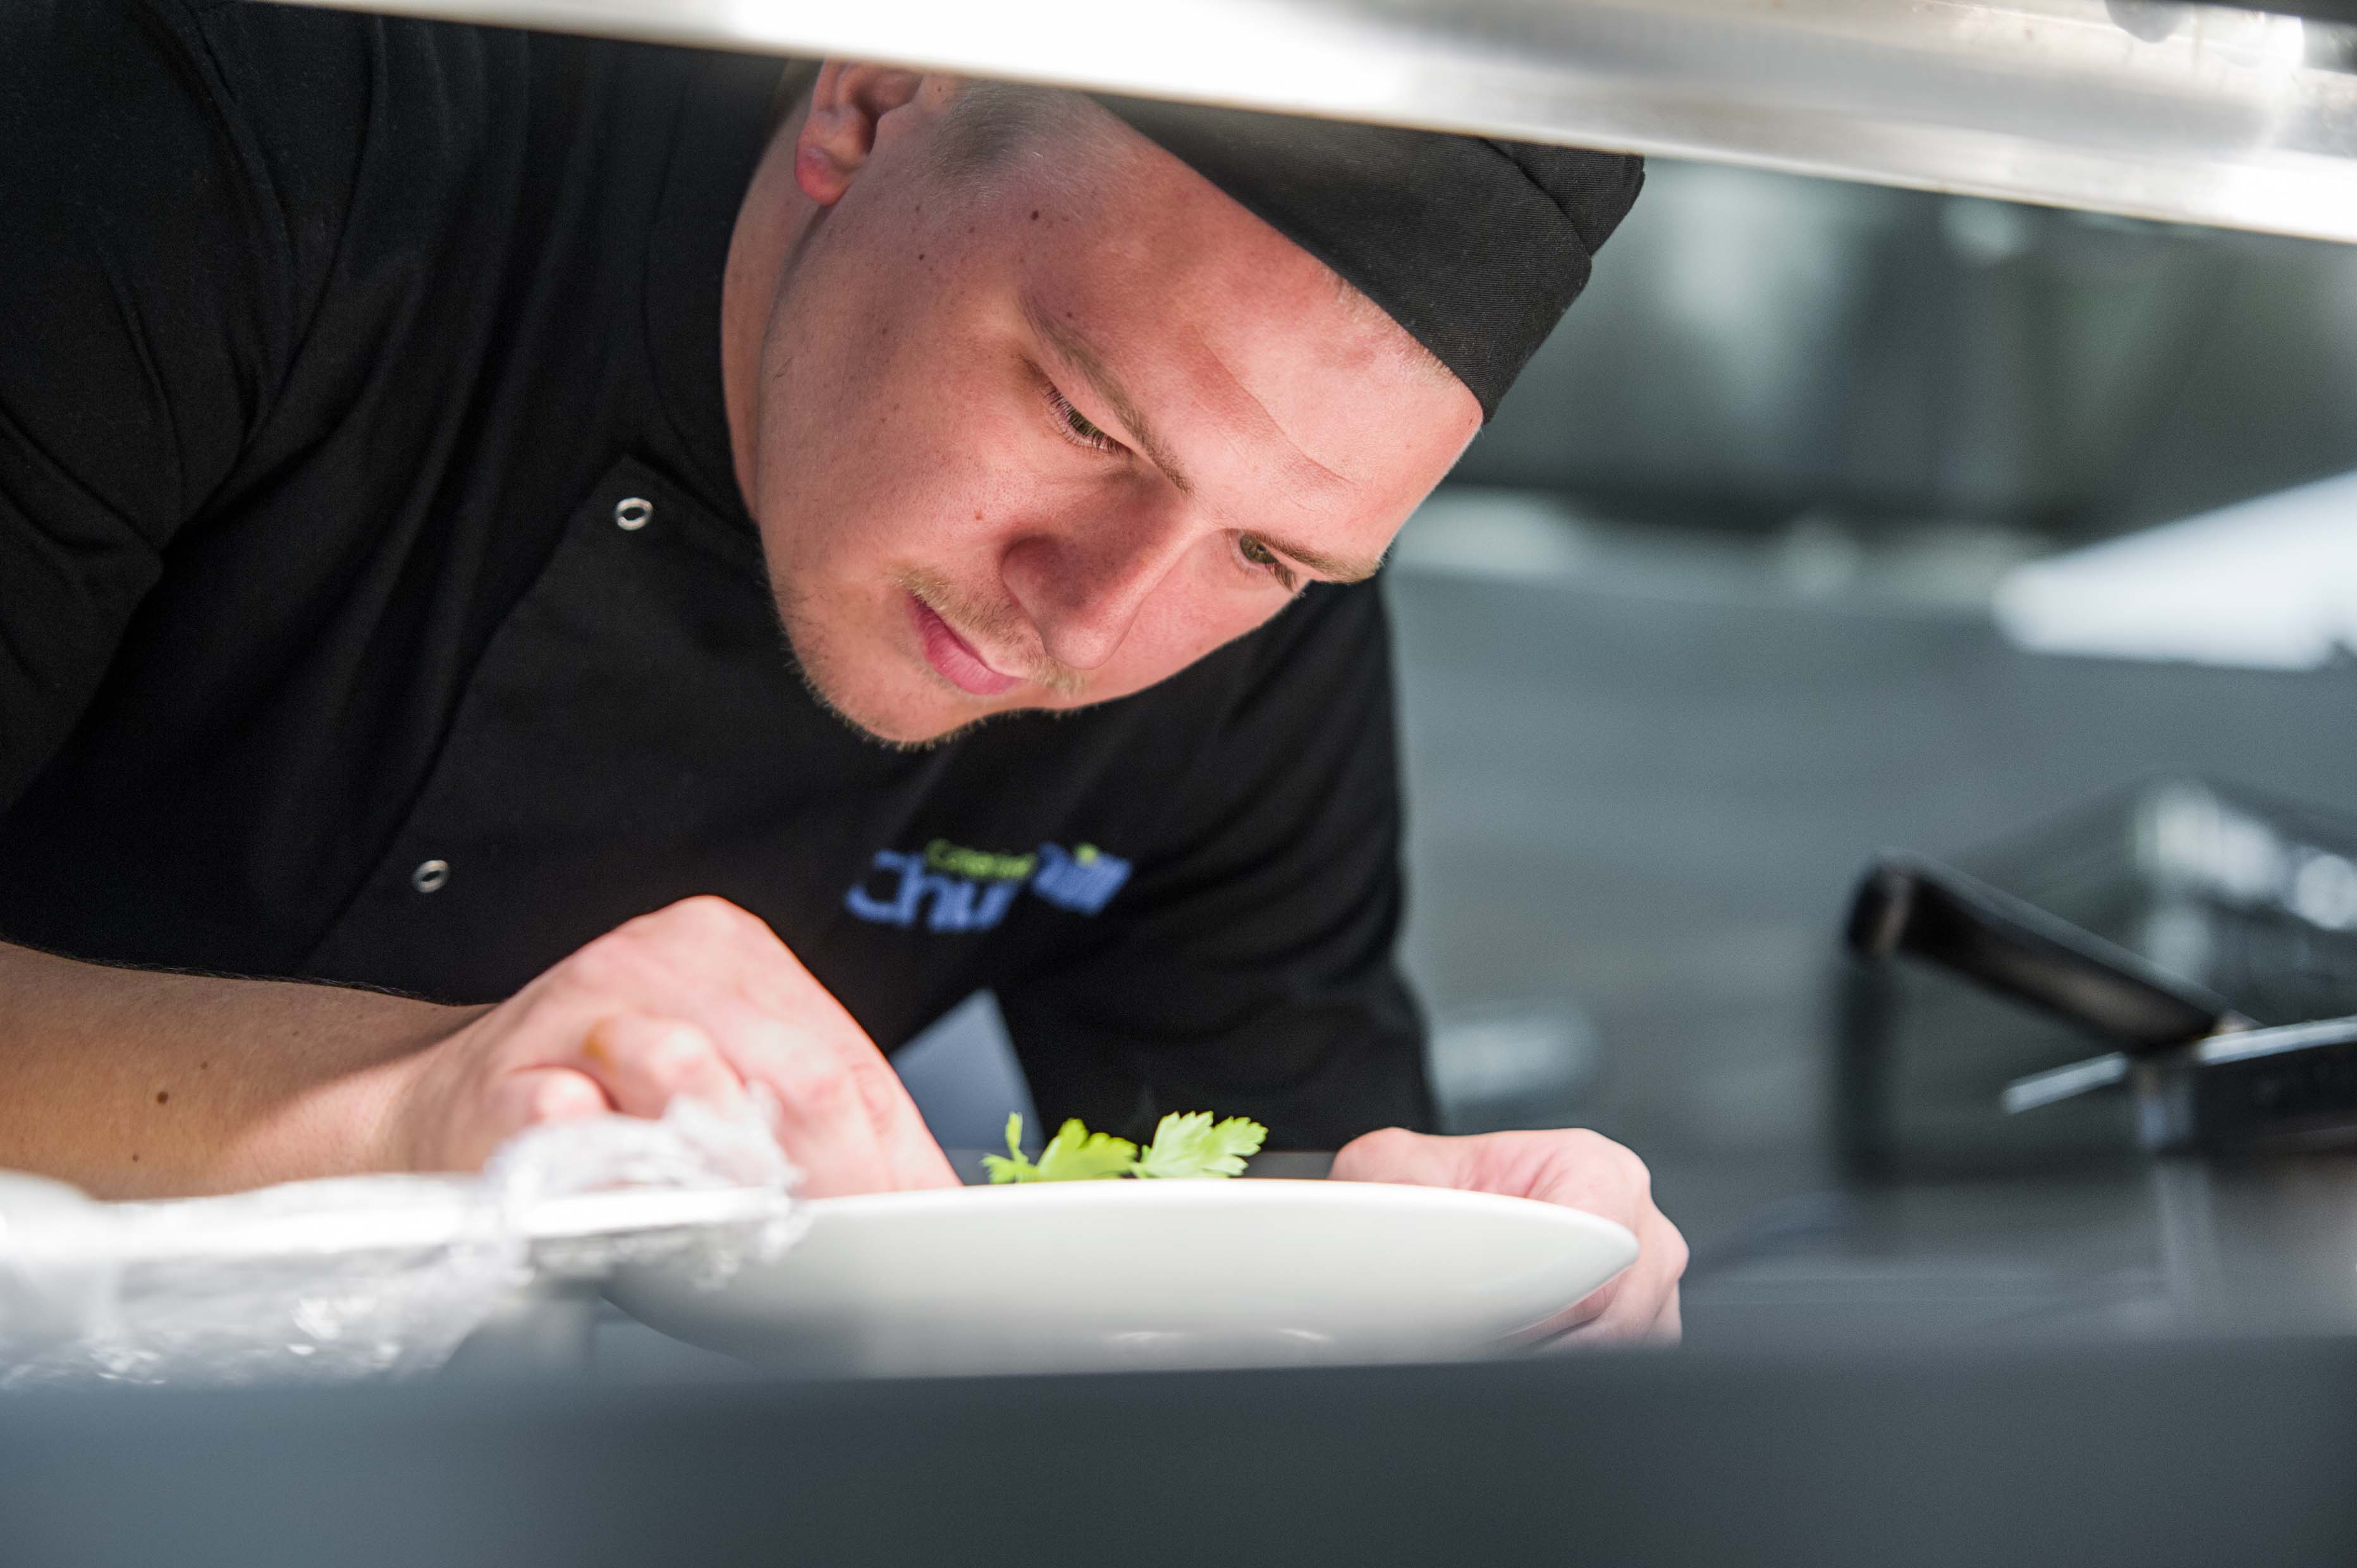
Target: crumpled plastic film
(369, 1276)
(692, 1148)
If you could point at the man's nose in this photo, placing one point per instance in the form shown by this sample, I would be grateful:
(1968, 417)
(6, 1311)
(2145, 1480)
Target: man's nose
(1084, 582)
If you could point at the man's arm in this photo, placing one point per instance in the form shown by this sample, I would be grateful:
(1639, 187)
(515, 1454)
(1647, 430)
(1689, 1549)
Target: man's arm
(132, 1083)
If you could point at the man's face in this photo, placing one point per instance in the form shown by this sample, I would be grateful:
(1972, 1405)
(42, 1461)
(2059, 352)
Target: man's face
(1043, 435)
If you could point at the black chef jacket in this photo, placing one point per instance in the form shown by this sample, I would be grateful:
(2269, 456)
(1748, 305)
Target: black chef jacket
(377, 603)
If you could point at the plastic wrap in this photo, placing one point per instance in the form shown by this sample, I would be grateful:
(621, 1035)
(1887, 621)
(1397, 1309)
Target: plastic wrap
(364, 1276)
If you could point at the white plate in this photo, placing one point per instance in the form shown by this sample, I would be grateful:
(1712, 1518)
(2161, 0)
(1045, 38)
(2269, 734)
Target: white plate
(1064, 1277)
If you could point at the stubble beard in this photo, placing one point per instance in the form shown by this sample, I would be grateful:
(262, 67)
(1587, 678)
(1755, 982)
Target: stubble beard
(820, 665)
(995, 623)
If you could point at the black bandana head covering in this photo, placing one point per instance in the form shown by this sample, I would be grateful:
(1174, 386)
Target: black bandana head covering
(1475, 247)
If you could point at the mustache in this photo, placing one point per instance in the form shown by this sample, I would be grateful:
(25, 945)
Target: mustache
(996, 623)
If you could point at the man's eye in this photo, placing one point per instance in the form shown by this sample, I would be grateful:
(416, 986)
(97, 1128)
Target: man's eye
(1263, 557)
(1075, 424)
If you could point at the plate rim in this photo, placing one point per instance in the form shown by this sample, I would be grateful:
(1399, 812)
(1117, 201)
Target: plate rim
(1269, 1189)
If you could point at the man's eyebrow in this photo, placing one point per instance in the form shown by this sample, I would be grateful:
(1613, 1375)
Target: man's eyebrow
(1081, 354)
(1325, 565)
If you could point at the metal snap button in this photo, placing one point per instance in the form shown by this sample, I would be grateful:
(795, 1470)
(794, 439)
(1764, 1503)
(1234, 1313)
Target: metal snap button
(633, 513)
(430, 875)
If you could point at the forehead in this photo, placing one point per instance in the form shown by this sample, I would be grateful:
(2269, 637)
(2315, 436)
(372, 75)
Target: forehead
(1283, 384)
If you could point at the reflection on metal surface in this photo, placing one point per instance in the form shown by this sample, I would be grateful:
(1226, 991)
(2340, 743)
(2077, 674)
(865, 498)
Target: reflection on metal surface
(2064, 1082)
(2245, 1044)
(2267, 584)
(1512, 535)
(1757, 347)
(2195, 113)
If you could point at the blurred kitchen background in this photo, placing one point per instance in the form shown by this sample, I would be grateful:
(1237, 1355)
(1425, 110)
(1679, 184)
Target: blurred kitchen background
(1737, 589)
(1839, 518)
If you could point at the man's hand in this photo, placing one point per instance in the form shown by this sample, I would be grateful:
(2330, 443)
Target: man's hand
(700, 999)
(1576, 1169)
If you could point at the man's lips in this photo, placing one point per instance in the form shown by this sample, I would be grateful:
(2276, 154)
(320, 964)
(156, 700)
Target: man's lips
(955, 658)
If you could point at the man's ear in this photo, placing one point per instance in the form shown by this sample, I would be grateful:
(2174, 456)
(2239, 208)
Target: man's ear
(846, 102)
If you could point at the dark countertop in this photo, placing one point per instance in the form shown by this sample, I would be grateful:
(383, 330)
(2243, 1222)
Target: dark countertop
(2170, 1247)
(2192, 1453)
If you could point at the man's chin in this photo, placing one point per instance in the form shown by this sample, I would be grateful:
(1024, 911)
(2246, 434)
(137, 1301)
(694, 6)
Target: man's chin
(904, 724)
(910, 718)
(891, 699)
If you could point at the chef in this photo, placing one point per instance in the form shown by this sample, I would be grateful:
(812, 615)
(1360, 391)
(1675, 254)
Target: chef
(538, 576)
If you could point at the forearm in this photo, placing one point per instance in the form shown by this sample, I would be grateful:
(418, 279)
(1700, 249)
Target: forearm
(134, 1083)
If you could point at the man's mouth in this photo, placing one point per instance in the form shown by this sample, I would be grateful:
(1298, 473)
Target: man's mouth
(953, 658)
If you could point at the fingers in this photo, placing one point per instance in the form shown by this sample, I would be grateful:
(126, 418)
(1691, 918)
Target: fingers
(1627, 1327)
(1669, 1255)
(1415, 1159)
(910, 1157)
(1585, 1171)
(825, 1126)
(1643, 1303)
(841, 1112)
(1656, 1315)
(698, 999)
(844, 1115)
(643, 1063)
(1575, 1168)
(897, 1156)
(776, 984)
(525, 1100)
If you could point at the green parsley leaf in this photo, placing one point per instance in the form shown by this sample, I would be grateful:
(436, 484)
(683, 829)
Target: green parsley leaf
(1186, 1145)
(1189, 1144)
(1019, 1168)
(1075, 1153)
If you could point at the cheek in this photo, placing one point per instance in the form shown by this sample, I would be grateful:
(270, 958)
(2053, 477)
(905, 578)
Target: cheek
(888, 470)
(1189, 618)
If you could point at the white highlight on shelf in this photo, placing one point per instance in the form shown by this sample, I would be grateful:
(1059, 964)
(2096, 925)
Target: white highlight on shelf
(2265, 584)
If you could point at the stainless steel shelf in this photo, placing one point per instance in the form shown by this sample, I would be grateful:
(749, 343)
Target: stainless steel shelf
(2198, 115)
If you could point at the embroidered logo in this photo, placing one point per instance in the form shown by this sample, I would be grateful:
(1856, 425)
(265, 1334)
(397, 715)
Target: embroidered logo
(954, 889)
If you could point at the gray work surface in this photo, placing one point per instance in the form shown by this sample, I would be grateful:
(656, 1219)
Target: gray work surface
(2196, 1454)
(1651, 807)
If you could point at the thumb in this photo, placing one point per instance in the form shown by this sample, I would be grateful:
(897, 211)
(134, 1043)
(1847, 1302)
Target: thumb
(525, 1100)
(1396, 1155)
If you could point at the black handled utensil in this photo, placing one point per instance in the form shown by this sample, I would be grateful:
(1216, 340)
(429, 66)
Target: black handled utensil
(2203, 1074)
(1916, 906)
